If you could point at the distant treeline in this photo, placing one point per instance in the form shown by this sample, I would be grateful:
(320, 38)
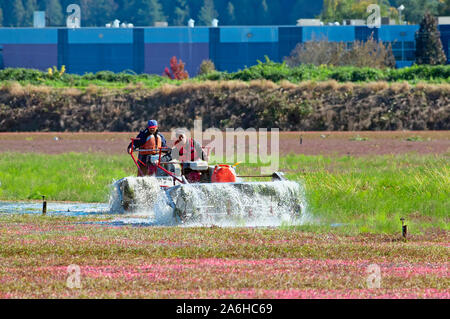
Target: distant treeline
(175, 12)
(19, 13)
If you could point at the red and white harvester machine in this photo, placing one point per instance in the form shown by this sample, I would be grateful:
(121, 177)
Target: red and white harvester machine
(194, 190)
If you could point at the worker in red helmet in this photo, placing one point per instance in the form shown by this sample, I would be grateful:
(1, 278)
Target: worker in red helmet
(187, 149)
(149, 141)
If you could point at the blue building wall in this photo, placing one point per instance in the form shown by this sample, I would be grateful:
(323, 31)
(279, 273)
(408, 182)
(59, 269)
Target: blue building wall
(98, 49)
(445, 38)
(191, 45)
(402, 40)
(330, 33)
(150, 49)
(288, 38)
(29, 48)
(238, 47)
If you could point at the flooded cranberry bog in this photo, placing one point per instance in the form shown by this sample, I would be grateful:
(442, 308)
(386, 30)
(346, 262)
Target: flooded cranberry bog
(349, 245)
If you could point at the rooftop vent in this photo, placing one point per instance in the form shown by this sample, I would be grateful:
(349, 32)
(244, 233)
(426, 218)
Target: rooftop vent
(443, 20)
(39, 19)
(161, 24)
(308, 22)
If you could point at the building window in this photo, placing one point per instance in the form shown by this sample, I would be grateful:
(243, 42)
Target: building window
(408, 45)
(396, 45)
(410, 55)
(448, 52)
(397, 55)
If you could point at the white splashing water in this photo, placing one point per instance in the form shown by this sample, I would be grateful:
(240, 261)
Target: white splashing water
(151, 203)
(221, 204)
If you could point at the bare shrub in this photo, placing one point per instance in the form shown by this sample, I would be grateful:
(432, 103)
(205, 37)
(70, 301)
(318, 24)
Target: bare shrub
(330, 85)
(307, 86)
(370, 53)
(234, 85)
(207, 66)
(346, 87)
(400, 88)
(167, 89)
(287, 85)
(377, 86)
(37, 89)
(14, 88)
(92, 89)
(263, 85)
(316, 52)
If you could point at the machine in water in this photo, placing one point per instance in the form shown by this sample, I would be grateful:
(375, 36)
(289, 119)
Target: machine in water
(195, 190)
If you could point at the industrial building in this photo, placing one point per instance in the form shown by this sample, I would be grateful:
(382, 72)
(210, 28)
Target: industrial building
(148, 50)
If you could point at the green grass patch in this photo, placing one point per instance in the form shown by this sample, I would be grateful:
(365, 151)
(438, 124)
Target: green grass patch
(349, 194)
(65, 177)
(267, 70)
(417, 138)
(371, 194)
(359, 138)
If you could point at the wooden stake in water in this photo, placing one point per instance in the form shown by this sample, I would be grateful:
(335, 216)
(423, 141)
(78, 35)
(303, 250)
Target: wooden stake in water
(404, 228)
(44, 206)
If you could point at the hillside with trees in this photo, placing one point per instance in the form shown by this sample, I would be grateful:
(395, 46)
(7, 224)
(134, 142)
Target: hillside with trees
(175, 12)
(19, 13)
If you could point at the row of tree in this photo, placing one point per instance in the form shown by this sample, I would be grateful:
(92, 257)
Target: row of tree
(338, 10)
(414, 10)
(14, 13)
(175, 12)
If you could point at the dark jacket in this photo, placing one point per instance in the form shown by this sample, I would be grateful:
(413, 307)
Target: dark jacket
(142, 138)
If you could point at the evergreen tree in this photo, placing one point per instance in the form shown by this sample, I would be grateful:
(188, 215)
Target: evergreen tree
(148, 12)
(54, 12)
(207, 13)
(231, 15)
(338, 10)
(194, 8)
(102, 12)
(30, 7)
(66, 3)
(262, 15)
(181, 13)
(444, 8)
(245, 11)
(428, 42)
(416, 9)
(301, 9)
(17, 13)
(156, 12)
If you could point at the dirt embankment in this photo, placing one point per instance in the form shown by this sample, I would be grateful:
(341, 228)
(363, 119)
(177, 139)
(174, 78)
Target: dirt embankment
(319, 106)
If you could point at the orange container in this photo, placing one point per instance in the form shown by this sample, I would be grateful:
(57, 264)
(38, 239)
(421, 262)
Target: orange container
(223, 174)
